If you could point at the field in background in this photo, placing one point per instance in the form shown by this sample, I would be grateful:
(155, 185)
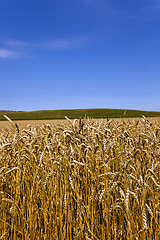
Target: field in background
(76, 113)
(24, 123)
(80, 179)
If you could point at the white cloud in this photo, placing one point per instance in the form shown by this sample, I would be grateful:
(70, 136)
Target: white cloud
(55, 44)
(7, 53)
(63, 44)
(88, 1)
(16, 43)
(155, 7)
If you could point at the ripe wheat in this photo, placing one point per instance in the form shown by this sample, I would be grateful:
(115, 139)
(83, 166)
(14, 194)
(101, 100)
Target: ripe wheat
(80, 180)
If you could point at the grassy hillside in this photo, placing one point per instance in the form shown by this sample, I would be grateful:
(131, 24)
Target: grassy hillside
(76, 113)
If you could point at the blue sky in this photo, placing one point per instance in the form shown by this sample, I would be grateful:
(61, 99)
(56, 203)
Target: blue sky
(64, 54)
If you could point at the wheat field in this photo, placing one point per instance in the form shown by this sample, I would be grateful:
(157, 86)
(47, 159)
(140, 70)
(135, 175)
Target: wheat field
(83, 179)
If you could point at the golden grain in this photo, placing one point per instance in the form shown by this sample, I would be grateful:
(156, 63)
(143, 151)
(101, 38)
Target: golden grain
(80, 179)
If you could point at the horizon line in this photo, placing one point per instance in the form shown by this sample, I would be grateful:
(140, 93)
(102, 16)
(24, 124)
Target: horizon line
(68, 109)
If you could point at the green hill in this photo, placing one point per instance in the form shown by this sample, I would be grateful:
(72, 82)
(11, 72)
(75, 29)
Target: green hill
(76, 113)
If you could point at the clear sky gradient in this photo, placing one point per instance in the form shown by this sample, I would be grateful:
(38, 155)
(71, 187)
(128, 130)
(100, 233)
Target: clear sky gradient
(66, 54)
